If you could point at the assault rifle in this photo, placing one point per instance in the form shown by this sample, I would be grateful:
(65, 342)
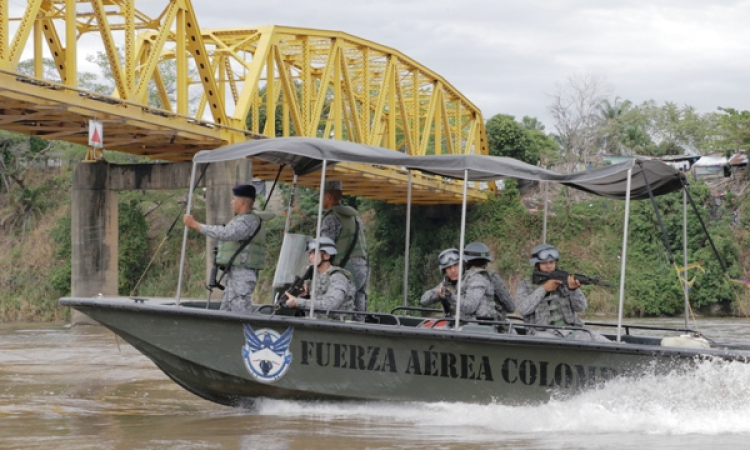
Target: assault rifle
(296, 288)
(539, 277)
(212, 282)
(446, 290)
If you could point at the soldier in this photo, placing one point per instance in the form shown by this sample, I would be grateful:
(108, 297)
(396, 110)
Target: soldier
(242, 242)
(445, 291)
(483, 293)
(342, 224)
(552, 303)
(334, 289)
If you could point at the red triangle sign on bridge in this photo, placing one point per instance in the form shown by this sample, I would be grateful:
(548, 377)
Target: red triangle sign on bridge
(96, 133)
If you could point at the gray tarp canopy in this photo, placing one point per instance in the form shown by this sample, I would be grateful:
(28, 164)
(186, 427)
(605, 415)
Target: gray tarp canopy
(306, 155)
(480, 167)
(611, 181)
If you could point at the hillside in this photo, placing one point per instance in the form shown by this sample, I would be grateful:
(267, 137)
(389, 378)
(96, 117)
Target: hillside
(587, 230)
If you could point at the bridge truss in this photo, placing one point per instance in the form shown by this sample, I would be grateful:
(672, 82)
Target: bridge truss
(177, 89)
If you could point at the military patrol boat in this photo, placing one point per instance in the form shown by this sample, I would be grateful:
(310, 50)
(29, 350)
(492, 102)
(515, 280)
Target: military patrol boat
(233, 358)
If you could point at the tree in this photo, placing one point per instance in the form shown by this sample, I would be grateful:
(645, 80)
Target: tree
(733, 129)
(506, 137)
(532, 123)
(612, 125)
(679, 130)
(575, 108)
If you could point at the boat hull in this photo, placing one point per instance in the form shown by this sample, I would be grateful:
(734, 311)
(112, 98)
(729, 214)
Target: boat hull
(211, 353)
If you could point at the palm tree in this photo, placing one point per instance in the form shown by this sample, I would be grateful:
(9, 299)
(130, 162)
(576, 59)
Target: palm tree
(611, 127)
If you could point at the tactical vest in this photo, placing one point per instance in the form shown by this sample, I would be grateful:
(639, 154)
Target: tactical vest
(556, 312)
(350, 293)
(484, 309)
(253, 256)
(556, 309)
(344, 240)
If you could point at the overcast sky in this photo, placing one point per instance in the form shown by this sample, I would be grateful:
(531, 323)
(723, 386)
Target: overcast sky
(509, 56)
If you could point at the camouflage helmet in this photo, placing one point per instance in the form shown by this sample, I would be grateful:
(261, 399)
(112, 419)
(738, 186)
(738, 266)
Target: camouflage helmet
(542, 253)
(448, 257)
(326, 245)
(477, 251)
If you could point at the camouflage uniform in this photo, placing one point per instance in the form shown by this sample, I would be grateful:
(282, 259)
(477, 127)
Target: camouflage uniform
(357, 266)
(504, 304)
(334, 290)
(239, 281)
(558, 307)
(477, 294)
(432, 296)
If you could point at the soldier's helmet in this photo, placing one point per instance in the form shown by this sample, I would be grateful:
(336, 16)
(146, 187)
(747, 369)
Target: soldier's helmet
(542, 253)
(326, 245)
(448, 257)
(477, 251)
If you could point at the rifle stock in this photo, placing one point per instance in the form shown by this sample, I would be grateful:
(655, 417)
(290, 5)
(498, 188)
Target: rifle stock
(539, 277)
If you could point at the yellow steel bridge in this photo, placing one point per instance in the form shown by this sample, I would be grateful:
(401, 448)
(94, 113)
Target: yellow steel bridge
(179, 89)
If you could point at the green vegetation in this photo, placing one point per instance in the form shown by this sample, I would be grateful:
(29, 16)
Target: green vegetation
(36, 270)
(35, 213)
(589, 236)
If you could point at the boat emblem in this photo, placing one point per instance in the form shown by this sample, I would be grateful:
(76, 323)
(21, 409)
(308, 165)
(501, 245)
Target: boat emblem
(266, 353)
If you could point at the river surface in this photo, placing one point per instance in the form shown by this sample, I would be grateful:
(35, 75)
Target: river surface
(81, 388)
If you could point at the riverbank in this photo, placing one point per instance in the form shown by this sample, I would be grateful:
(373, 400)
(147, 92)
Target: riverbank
(587, 230)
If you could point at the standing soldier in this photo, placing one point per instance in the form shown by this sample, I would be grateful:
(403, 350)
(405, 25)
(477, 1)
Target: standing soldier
(342, 224)
(241, 250)
(334, 289)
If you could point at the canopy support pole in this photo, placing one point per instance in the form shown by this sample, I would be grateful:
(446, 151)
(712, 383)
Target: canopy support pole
(317, 237)
(544, 223)
(703, 225)
(624, 255)
(185, 235)
(685, 285)
(408, 236)
(463, 241)
(664, 235)
(291, 203)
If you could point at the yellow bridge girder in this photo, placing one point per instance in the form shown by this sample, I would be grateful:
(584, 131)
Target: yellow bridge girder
(179, 89)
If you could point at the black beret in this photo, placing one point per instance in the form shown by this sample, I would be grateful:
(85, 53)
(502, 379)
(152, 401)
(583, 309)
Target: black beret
(244, 190)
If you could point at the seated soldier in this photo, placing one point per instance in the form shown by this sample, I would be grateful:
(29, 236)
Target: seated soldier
(445, 292)
(553, 302)
(334, 288)
(477, 289)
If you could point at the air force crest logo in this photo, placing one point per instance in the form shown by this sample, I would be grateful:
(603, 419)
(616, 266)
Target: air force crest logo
(266, 354)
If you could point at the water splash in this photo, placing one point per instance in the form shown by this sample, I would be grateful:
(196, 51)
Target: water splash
(712, 399)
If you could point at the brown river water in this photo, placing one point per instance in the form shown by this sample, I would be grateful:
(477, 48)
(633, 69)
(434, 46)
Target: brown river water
(81, 388)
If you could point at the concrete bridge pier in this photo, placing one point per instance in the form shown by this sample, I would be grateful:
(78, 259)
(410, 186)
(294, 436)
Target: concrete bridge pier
(94, 235)
(94, 221)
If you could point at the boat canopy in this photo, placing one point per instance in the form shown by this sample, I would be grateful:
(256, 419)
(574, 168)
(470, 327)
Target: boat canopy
(611, 181)
(306, 155)
(608, 181)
